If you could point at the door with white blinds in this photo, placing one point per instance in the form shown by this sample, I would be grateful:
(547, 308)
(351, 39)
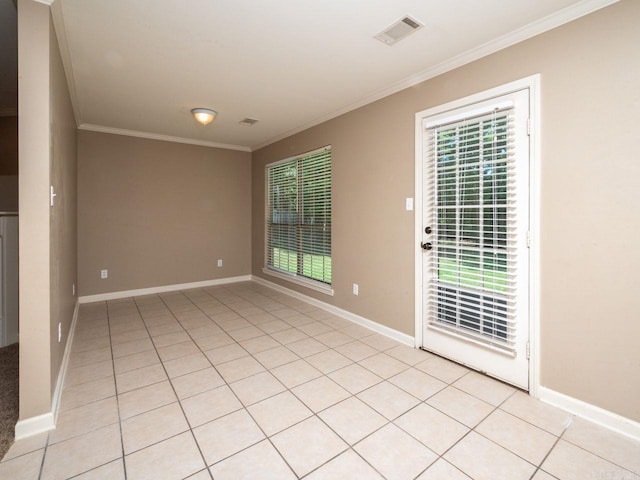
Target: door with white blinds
(475, 257)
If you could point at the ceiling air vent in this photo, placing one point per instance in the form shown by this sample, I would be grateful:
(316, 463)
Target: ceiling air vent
(248, 122)
(399, 30)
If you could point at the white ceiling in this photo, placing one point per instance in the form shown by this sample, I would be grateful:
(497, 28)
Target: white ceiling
(142, 65)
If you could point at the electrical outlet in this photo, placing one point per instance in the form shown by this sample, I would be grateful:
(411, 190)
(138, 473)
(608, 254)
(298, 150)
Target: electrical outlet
(104, 274)
(355, 289)
(219, 262)
(59, 332)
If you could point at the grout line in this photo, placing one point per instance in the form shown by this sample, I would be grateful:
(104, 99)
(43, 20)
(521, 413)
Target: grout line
(560, 437)
(204, 461)
(266, 437)
(471, 429)
(44, 455)
(316, 414)
(327, 348)
(351, 395)
(89, 431)
(115, 386)
(287, 389)
(242, 296)
(544, 459)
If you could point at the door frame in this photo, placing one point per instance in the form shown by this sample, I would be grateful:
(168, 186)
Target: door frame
(532, 83)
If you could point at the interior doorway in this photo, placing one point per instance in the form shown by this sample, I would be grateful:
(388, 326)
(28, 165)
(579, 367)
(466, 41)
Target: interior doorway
(9, 314)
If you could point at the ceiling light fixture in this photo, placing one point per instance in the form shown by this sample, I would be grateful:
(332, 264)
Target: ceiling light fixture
(204, 115)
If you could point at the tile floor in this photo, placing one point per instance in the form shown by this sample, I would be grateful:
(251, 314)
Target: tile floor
(241, 381)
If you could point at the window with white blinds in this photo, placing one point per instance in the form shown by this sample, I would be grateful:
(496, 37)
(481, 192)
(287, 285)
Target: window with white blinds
(473, 202)
(298, 216)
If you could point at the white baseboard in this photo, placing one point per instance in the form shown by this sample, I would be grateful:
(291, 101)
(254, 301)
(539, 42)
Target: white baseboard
(57, 393)
(162, 289)
(605, 418)
(365, 322)
(34, 425)
(600, 416)
(47, 421)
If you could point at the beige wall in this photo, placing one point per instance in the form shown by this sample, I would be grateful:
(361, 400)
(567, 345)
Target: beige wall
(64, 218)
(157, 213)
(372, 233)
(33, 103)
(589, 222)
(47, 235)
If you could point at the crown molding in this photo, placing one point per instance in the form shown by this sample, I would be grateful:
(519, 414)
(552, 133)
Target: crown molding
(61, 34)
(566, 15)
(157, 136)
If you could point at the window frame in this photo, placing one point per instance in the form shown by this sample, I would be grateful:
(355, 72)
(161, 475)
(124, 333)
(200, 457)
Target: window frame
(274, 271)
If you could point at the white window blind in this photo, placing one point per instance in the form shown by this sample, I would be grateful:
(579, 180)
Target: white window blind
(472, 195)
(298, 217)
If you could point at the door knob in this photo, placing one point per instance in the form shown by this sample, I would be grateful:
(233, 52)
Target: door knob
(426, 246)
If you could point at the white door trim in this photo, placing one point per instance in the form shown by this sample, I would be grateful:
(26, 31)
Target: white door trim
(533, 84)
